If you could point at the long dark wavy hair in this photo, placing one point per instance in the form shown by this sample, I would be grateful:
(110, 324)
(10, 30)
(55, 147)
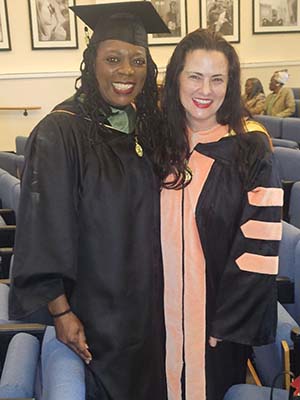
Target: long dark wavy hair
(173, 151)
(94, 106)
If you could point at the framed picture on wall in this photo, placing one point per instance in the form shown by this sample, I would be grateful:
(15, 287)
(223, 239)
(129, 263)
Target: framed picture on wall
(4, 28)
(173, 12)
(53, 24)
(276, 16)
(222, 16)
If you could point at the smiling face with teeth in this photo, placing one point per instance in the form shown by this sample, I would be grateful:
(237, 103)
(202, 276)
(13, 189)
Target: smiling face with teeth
(120, 69)
(202, 87)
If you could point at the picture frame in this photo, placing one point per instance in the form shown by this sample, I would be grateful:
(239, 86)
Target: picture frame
(276, 16)
(53, 25)
(222, 16)
(174, 13)
(4, 27)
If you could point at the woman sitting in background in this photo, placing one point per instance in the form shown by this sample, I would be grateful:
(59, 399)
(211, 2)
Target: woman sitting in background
(281, 102)
(254, 97)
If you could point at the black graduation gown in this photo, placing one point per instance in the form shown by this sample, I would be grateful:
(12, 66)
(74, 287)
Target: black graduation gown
(88, 226)
(241, 306)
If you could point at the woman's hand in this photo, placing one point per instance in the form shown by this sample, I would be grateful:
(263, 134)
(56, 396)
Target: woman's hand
(213, 341)
(70, 331)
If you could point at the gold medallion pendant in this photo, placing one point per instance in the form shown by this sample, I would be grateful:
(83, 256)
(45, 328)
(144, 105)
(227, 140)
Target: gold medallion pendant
(188, 174)
(138, 148)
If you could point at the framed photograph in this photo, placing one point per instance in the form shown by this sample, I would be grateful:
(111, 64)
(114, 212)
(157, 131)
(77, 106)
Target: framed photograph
(222, 16)
(53, 24)
(4, 28)
(276, 16)
(173, 12)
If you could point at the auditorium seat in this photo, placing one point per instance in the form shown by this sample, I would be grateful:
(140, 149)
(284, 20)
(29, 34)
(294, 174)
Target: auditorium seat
(297, 110)
(291, 129)
(12, 163)
(296, 92)
(285, 143)
(62, 371)
(20, 144)
(252, 392)
(294, 205)
(272, 124)
(268, 360)
(20, 367)
(288, 163)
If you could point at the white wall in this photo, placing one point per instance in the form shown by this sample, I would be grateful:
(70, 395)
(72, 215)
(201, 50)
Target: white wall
(45, 77)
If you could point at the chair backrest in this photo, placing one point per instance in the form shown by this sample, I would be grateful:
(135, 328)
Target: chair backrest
(287, 250)
(294, 205)
(296, 92)
(291, 129)
(9, 191)
(272, 124)
(62, 371)
(20, 367)
(285, 143)
(12, 163)
(20, 144)
(288, 163)
(289, 264)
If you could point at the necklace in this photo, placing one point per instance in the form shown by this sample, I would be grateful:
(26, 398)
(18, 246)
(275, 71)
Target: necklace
(138, 148)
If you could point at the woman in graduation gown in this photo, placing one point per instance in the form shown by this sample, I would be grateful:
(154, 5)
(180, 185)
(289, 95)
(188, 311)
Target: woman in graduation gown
(220, 210)
(88, 237)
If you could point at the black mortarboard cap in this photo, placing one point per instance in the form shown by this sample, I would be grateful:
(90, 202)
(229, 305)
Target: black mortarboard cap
(127, 21)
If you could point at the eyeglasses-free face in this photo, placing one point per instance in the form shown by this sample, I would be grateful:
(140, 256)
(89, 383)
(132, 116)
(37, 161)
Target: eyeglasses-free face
(120, 69)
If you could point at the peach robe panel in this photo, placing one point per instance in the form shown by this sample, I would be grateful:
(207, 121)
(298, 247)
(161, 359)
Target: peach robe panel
(193, 282)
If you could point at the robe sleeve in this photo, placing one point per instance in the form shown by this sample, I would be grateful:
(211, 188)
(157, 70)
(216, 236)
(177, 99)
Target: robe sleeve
(47, 235)
(246, 306)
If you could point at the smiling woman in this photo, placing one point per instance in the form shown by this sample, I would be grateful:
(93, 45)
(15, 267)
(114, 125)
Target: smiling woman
(219, 276)
(89, 212)
(203, 85)
(120, 70)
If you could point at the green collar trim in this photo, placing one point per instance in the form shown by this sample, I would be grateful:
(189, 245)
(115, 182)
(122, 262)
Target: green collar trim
(123, 119)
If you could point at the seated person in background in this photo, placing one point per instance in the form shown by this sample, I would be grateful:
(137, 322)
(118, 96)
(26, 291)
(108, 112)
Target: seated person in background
(281, 102)
(254, 97)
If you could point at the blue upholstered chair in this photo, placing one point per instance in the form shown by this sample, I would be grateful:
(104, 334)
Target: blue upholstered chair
(252, 392)
(296, 92)
(62, 371)
(297, 111)
(291, 129)
(288, 163)
(269, 360)
(20, 367)
(11, 162)
(8, 190)
(294, 205)
(289, 265)
(272, 124)
(20, 144)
